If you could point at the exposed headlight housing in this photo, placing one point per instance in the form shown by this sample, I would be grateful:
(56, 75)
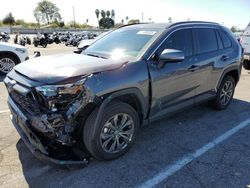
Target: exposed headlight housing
(64, 89)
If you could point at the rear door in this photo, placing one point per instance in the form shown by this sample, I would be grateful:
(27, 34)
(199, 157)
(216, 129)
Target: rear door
(208, 54)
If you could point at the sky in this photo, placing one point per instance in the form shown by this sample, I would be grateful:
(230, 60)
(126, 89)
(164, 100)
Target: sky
(226, 12)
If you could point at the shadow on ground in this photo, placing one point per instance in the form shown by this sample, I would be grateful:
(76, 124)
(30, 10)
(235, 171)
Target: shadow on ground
(1, 78)
(158, 145)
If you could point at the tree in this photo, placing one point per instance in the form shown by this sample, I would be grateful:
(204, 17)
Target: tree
(97, 12)
(113, 14)
(108, 13)
(47, 12)
(234, 29)
(126, 19)
(106, 22)
(9, 19)
(134, 21)
(61, 24)
(103, 14)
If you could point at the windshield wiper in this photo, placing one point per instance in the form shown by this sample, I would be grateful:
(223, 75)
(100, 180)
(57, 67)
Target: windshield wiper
(95, 55)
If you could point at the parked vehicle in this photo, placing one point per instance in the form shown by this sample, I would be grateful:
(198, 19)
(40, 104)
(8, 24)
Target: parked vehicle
(11, 55)
(4, 37)
(56, 38)
(24, 40)
(40, 40)
(95, 102)
(245, 42)
(85, 43)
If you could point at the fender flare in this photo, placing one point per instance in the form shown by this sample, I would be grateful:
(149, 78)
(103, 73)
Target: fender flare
(233, 68)
(108, 99)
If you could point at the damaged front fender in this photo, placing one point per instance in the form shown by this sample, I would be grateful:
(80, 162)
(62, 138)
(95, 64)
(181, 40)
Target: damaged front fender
(60, 124)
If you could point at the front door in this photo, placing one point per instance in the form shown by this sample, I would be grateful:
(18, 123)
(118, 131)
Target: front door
(172, 83)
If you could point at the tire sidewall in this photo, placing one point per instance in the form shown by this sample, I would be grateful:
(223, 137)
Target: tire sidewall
(109, 112)
(227, 78)
(10, 57)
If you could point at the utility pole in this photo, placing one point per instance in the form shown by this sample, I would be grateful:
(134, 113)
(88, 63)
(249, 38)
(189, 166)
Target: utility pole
(142, 16)
(74, 18)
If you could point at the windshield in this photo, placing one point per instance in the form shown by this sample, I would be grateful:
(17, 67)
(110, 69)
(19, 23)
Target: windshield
(123, 42)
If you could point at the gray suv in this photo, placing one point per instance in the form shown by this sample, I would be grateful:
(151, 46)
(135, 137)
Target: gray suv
(72, 107)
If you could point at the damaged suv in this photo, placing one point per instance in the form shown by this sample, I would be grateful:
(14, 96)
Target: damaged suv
(71, 107)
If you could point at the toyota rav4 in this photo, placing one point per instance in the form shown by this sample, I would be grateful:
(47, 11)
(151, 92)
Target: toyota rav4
(93, 104)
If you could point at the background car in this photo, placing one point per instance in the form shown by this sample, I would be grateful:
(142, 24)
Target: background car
(245, 42)
(11, 55)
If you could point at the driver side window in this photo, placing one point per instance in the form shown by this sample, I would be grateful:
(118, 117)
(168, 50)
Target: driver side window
(180, 40)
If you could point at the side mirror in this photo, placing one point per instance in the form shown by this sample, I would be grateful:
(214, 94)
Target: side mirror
(172, 55)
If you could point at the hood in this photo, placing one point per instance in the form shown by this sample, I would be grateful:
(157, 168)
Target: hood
(56, 68)
(10, 45)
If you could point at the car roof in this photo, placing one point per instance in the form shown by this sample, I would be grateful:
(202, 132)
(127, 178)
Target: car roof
(168, 25)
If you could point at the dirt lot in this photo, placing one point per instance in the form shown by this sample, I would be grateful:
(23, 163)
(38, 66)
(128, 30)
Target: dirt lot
(198, 147)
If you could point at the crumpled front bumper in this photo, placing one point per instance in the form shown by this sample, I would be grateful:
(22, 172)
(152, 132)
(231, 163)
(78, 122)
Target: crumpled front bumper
(21, 123)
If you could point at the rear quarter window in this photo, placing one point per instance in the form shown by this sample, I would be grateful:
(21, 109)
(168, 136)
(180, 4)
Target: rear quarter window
(206, 40)
(227, 43)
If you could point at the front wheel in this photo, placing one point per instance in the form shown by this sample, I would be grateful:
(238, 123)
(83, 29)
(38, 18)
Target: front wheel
(224, 94)
(7, 63)
(115, 134)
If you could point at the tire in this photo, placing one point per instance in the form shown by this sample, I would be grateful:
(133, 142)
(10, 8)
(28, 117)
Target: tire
(35, 44)
(246, 64)
(93, 135)
(12, 61)
(220, 102)
(45, 45)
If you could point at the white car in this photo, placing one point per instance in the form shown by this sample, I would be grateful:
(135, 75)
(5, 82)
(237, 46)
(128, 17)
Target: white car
(11, 55)
(245, 42)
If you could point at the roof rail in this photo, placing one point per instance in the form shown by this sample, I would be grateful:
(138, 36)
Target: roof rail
(132, 24)
(192, 22)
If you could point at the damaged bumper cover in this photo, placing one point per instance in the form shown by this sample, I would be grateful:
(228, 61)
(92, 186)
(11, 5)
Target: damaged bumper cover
(34, 144)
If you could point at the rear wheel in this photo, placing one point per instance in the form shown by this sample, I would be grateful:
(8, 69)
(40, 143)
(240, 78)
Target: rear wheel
(246, 64)
(224, 94)
(7, 63)
(115, 134)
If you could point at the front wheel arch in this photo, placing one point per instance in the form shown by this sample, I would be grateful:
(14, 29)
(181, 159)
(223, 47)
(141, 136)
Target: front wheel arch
(11, 54)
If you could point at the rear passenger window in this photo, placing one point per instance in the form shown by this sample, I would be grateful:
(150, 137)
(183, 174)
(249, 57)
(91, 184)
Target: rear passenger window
(206, 40)
(225, 39)
(220, 45)
(180, 40)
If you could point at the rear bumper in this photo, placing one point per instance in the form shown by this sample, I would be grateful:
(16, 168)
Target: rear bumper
(31, 140)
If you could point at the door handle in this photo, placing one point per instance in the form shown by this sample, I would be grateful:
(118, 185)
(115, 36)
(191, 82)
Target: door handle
(193, 68)
(224, 58)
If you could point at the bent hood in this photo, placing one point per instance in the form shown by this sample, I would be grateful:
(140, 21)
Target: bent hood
(56, 68)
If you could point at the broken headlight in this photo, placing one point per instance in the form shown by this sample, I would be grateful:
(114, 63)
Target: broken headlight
(59, 90)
